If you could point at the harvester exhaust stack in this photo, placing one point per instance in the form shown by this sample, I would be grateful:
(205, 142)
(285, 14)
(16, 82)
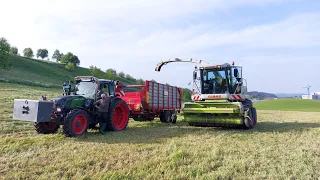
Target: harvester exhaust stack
(221, 98)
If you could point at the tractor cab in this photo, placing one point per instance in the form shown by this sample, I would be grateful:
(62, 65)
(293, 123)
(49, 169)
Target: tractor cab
(90, 87)
(220, 79)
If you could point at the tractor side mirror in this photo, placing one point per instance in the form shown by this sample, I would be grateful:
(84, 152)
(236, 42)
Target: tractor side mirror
(236, 73)
(194, 75)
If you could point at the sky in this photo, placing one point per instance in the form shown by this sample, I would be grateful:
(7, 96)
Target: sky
(275, 41)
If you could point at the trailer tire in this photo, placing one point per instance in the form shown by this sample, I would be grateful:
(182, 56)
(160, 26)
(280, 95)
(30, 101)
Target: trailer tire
(75, 123)
(118, 115)
(165, 116)
(46, 127)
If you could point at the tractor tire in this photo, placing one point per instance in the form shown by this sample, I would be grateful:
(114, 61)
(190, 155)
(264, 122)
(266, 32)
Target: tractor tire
(46, 127)
(118, 115)
(165, 117)
(75, 123)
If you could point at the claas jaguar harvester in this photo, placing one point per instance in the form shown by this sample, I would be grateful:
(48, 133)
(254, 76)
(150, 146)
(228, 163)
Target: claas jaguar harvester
(219, 96)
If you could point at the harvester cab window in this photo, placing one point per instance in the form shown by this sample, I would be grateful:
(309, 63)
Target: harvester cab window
(236, 80)
(214, 82)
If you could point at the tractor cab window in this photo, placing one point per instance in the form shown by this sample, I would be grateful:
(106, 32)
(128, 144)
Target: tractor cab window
(86, 89)
(104, 89)
(107, 88)
(214, 81)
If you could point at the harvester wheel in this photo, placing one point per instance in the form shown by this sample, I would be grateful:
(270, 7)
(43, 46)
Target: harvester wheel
(118, 116)
(46, 127)
(254, 115)
(75, 123)
(165, 116)
(249, 124)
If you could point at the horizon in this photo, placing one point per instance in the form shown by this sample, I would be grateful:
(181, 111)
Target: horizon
(270, 39)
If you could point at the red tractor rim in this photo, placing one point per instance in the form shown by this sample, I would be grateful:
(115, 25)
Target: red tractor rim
(120, 116)
(49, 125)
(79, 124)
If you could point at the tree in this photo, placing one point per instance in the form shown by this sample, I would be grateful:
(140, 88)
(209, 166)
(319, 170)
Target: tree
(14, 50)
(110, 73)
(186, 94)
(96, 72)
(43, 53)
(57, 55)
(27, 52)
(5, 62)
(140, 81)
(69, 57)
(70, 66)
(121, 74)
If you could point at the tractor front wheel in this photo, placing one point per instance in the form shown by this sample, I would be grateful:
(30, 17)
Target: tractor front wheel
(75, 123)
(46, 127)
(119, 114)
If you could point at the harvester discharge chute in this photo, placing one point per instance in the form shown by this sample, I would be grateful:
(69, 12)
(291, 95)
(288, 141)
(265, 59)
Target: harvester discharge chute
(219, 96)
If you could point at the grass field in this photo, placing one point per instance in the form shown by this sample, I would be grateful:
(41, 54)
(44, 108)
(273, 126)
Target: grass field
(284, 145)
(305, 105)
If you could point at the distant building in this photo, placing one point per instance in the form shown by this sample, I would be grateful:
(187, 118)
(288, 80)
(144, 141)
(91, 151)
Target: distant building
(315, 96)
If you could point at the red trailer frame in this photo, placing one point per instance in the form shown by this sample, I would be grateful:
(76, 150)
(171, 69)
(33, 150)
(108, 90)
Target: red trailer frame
(152, 100)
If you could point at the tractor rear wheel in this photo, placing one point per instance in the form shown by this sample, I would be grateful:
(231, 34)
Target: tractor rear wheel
(118, 115)
(46, 127)
(75, 123)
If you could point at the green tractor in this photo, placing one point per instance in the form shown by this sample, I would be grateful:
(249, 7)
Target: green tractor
(220, 97)
(76, 111)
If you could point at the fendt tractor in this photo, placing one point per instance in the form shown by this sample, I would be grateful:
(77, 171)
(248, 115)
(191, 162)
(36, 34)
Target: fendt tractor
(219, 96)
(76, 112)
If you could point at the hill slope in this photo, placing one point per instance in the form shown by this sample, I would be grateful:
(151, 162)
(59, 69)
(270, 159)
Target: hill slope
(42, 73)
(306, 105)
(261, 95)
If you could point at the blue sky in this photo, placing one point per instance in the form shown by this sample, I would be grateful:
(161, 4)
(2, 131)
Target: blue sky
(276, 41)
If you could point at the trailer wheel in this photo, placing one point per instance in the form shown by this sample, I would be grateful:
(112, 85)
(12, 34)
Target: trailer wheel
(46, 127)
(165, 116)
(119, 114)
(75, 123)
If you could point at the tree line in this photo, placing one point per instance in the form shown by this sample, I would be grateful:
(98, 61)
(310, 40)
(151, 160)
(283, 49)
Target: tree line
(69, 59)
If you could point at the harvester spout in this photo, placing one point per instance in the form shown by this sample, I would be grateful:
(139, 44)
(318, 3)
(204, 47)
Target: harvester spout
(158, 67)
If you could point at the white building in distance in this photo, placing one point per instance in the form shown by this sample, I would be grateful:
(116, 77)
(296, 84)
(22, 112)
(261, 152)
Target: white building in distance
(315, 96)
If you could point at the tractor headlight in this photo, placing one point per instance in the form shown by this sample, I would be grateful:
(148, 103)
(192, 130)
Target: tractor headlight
(58, 109)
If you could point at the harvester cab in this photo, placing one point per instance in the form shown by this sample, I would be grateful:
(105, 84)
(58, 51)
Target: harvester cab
(219, 96)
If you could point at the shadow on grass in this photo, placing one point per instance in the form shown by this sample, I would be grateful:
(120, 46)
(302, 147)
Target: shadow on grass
(154, 132)
(284, 126)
